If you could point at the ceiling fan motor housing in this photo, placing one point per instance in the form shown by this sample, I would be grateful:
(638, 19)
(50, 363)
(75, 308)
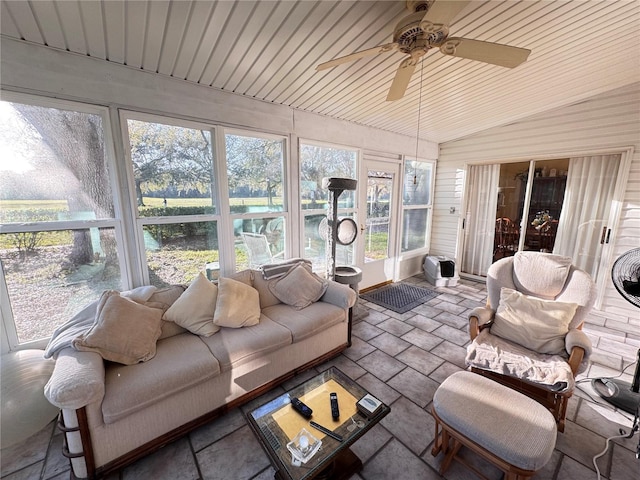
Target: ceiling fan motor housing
(409, 34)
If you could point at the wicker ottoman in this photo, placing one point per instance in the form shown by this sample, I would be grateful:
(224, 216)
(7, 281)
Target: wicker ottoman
(508, 429)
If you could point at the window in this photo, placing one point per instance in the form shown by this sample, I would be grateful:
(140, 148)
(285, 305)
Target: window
(316, 163)
(59, 240)
(173, 169)
(416, 204)
(256, 190)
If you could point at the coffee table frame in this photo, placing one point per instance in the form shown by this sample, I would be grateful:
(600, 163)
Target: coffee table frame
(334, 460)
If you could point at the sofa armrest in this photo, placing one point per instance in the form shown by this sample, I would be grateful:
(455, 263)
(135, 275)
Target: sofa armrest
(77, 379)
(479, 318)
(340, 295)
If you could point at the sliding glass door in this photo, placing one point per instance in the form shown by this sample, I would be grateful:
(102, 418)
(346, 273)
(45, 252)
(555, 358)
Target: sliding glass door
(559, 206)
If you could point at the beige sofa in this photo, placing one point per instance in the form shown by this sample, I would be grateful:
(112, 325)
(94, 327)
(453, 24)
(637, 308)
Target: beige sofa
(113, 414)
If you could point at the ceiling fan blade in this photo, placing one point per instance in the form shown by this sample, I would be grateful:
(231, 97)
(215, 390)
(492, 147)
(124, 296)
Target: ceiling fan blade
(494, 53)
(402, 78)
(354, 56)
(441, 13)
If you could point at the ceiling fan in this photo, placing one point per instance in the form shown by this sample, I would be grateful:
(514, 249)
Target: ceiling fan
(426, 28)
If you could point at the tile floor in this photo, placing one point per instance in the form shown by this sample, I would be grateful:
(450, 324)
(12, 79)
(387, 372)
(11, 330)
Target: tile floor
(401, 359)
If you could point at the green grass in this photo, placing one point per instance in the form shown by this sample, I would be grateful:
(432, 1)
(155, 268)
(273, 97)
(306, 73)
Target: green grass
(377, 249)
(31, 204)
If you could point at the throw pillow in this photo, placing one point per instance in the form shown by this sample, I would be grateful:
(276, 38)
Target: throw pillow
(238, 304)
(194, 309)
(536, 324)
(299, 287)
(124, 331)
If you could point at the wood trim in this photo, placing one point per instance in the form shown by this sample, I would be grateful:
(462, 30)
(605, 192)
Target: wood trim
(85, 439)
(179, 432)
(577, 354)
(373, 287)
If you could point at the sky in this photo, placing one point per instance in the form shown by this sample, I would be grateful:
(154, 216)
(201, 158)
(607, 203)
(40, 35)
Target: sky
(13, 157)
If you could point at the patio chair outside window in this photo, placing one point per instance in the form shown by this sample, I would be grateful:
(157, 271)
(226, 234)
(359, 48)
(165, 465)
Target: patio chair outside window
(259, 250)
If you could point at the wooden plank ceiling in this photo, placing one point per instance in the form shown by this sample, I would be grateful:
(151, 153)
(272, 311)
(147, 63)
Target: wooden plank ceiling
(269, 49)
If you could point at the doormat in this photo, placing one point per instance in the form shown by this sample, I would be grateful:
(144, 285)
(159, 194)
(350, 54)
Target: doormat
(399, 297)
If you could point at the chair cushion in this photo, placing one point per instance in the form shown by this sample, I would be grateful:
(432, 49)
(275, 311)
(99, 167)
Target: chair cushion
(233, 347)
(195, 308)
(490, 352)
(540, 274)
(512, 426)
(306, 322)
(181, 361)
(539, 325)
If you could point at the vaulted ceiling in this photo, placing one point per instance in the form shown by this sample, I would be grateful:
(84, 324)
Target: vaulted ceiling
(268, 50)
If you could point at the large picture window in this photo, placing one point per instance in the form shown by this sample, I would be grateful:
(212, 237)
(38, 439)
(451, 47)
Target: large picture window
(317, 162)
(256, 191)
(59, 240)
(173, 168)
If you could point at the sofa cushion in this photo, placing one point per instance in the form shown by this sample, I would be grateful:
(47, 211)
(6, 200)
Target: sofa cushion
(267, 298)
(233, 346)
(539, 325)
(123, 331)
(299, 287)
(195, 308)
(243, 276)
(166, 297)
(238, 304)
(308, 321)
(181, 361)
(540, 274)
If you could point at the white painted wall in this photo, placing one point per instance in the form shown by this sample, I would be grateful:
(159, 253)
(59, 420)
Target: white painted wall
(606, 121)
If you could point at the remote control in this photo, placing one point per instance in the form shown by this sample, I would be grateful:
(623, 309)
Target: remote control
(335, 410)
(325, 430)
(301, 408)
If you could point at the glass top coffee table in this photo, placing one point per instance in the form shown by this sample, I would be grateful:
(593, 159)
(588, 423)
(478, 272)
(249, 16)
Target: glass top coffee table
(281, 429)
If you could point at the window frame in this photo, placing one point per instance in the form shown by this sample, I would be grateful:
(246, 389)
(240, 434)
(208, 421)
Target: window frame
(352, 212)
(6, 313)
(140, 222)
(229, 239)
(428, 206)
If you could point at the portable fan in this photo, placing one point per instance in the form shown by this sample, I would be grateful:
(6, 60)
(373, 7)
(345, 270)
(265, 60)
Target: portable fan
(626, 278)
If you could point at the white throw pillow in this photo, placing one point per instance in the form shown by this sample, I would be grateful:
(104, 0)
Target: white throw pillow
(536, 324)
(299, 287)
(124, 331)
(238, 304)
(194, 309)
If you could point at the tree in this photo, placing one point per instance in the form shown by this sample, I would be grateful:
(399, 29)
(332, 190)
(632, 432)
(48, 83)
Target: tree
(317, 163)
(168, 156)
(256, 163)
(76, 139)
